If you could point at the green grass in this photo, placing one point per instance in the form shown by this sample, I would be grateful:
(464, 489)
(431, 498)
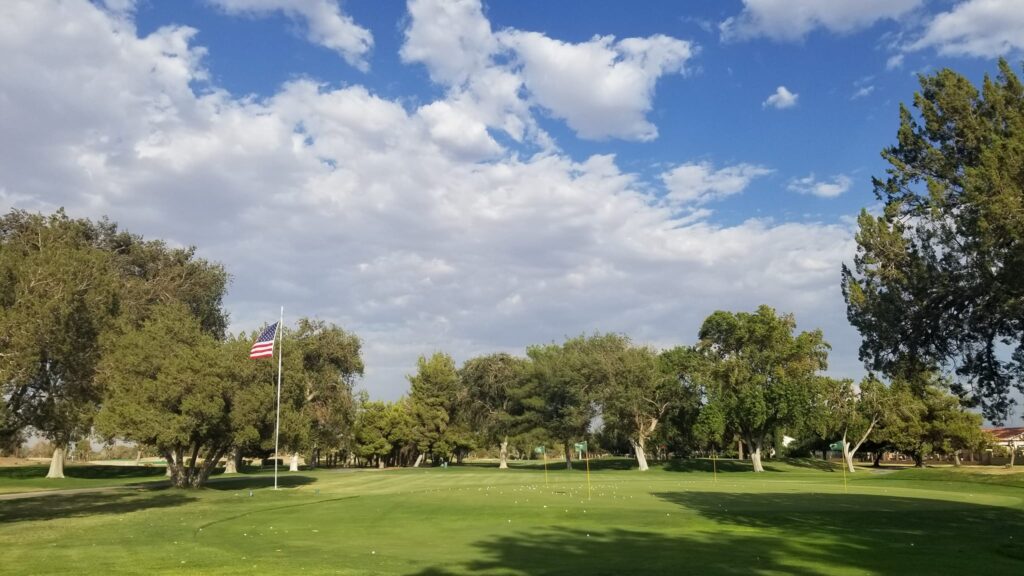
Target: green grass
(677, 519)
(33, 478)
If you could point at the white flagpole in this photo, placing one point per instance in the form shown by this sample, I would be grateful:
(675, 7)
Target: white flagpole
(277, 426)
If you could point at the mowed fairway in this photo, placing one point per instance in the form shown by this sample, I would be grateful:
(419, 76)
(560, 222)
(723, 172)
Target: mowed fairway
(795, 519)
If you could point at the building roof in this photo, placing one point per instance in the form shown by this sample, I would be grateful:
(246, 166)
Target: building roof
(1006, 433)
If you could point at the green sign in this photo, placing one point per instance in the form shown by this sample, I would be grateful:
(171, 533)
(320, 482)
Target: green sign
(836, 447)
(580, 446)
(539, 450)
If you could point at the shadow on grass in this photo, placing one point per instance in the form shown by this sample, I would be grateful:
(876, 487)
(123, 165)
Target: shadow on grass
(800, 534)
(814, 464)
(88, 471)
(91, 504)
(247, 481)
(596, 464)
(707, 465)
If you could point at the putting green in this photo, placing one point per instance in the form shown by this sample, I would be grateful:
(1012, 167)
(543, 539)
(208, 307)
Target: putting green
(795, 519)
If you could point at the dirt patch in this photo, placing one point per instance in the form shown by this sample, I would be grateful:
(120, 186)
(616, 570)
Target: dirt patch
(12, 461)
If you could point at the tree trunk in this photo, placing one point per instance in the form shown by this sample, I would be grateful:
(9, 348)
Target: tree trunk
(169, 458)
(1013, 455)
(56, 463)
(739, 449)
(755, 454)
(956, 458)
(231, 466)
(138, 457)
(863, 438)
(847, 454)
(878, 459)
(419, 460)
(503, 454)
(568, 456)
(641, 454)
(380, 462)
(294, 465)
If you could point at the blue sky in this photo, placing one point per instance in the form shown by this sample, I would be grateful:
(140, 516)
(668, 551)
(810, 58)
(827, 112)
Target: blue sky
(473, 177)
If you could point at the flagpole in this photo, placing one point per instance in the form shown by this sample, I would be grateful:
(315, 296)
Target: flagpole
(277, 426)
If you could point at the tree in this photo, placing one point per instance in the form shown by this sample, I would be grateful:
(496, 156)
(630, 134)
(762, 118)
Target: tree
(64, 285)
(850, 415)
(494, 386)
(568, 379)
(58, 294)
(372, 425)
(938, 280)
(762, 374)
(330, 361)
(166, 386)
(928, 420)
(637, 395)
(692, 422)
(433, 396)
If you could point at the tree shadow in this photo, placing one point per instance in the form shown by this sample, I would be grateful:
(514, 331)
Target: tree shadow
(813, 464)
(250, 481)
(800, 534)
(709, 465)
(58, 506)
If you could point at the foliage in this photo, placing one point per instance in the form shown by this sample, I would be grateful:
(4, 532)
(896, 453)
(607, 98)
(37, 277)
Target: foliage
(938, 279)
(762, 374)
(569, 379)
(67, 283)
(166, 385)
(638, 394)
(435, 395)
(497, 393)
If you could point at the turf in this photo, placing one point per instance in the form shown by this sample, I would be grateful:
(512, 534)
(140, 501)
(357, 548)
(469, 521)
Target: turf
(678, 519)
(33, 478)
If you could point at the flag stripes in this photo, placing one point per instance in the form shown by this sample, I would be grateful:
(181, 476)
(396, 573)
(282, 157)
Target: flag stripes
(264, 345)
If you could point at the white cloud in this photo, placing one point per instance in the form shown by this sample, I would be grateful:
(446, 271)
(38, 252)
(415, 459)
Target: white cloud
(983, 28)
(602, 88)
(451, 37)
(894, 62)
(781, 99)
(821, 188)
(338, 203)
(862, 92)
(326, 24)
(698, 183)
(790, 20)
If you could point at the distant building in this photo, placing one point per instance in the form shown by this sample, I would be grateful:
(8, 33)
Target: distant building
(1009, 437)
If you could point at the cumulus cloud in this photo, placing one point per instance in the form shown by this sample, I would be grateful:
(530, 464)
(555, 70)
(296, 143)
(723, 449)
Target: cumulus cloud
(699, 182)
(338, 203)
(325, 24)
(602, 88)
(982, 28)
(452, 38)
(781, 99)
(821, 188)
(791, 20)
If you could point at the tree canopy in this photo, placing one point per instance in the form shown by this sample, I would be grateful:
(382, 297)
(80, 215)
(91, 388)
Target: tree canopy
(938, 279)
(763, 374)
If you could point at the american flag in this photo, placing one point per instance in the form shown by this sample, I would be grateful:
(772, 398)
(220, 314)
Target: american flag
(264, 346)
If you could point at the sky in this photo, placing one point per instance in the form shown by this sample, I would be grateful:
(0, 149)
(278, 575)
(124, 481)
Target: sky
(473, 177)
